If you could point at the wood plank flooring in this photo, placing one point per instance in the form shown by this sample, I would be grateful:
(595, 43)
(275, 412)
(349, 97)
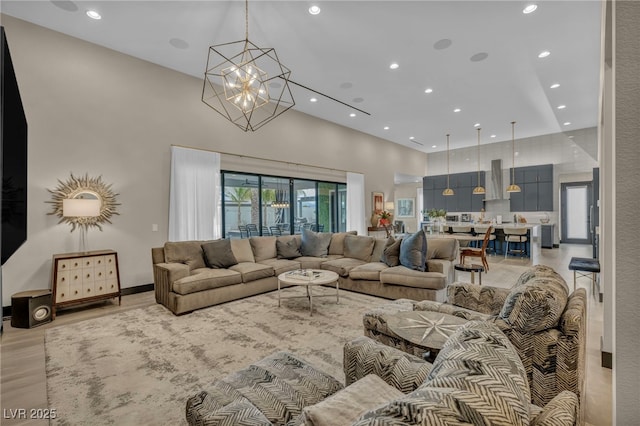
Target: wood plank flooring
(22, 357)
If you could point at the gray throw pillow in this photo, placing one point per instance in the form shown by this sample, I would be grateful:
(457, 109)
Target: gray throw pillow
(413, 251)
(315, 244)
(288, 249)
(391, 253)
(218, 254)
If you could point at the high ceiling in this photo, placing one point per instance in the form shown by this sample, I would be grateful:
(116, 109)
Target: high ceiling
(479, 56)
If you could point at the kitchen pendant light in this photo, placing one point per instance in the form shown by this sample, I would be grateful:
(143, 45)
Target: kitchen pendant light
(448, 191)
(479, 190)
(513, 187)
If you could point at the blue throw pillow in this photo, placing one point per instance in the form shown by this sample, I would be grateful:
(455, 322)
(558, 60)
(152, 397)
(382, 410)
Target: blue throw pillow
(413, 251)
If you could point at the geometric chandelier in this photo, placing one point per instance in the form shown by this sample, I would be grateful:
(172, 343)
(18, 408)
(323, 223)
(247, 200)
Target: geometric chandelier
(249, 87)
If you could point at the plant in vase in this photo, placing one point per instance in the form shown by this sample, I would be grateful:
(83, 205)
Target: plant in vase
(385, 218)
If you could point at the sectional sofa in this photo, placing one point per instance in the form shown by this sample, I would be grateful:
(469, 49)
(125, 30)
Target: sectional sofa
(190, 275)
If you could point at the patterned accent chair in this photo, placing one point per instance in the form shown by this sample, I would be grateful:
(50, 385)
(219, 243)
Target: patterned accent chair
(478, 378)
(545, 324)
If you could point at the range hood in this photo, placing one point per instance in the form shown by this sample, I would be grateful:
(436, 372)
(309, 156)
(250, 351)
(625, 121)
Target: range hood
(494, 186)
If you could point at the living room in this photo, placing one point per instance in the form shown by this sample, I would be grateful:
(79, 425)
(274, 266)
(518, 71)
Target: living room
(109, 114)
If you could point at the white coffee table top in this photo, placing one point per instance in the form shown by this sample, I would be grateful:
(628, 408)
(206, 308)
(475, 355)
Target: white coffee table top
(312, 277)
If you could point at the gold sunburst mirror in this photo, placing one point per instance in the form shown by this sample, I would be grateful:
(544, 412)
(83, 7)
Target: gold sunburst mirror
(84, 188)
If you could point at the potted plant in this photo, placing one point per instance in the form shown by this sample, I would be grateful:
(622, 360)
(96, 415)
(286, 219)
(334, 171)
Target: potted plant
(385, 217)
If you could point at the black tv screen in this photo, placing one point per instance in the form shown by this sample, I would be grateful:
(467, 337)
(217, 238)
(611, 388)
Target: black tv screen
(13, 138)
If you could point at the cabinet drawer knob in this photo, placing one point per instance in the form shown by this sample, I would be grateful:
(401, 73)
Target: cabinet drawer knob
(75, 292)
(62, 295)
(88, 275)
(62, 279)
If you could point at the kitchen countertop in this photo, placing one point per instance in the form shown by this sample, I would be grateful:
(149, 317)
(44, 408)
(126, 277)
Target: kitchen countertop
(528, 225)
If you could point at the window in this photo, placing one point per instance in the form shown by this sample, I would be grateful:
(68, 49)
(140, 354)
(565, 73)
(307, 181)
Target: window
(271, 205)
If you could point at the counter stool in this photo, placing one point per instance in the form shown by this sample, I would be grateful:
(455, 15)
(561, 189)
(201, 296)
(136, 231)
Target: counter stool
(585, 266)
(516, 236)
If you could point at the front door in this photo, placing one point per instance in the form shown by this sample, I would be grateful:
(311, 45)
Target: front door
(576, 209)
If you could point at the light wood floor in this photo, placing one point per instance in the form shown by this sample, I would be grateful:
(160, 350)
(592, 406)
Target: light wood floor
(22, 357)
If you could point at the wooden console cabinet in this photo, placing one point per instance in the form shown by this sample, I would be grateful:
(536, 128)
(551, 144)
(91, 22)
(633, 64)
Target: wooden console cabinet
(84, 277)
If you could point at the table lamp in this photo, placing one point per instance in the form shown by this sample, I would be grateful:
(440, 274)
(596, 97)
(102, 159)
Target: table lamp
(79, 209)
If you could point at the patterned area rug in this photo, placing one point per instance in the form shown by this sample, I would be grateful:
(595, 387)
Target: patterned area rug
(139, 367)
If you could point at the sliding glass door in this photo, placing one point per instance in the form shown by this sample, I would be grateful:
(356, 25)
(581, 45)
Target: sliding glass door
(271, 205)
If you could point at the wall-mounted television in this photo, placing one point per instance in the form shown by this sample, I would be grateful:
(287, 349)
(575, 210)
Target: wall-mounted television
(13, 160)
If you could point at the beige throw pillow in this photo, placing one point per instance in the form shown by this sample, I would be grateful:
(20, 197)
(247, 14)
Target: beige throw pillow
(346, 406)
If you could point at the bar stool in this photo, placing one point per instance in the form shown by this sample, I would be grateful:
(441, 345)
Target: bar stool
(480, 230)
(516, 236)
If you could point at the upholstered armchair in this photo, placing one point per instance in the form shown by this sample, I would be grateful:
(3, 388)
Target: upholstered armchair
(545, 324)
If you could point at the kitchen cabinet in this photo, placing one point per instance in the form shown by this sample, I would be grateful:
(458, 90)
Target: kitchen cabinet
(462, 184)
(536, 183)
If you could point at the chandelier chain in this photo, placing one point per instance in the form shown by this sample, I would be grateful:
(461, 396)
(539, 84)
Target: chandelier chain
(246, 19)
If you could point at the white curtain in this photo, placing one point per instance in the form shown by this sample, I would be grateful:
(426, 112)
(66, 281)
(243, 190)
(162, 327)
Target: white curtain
(194, 195)
(355, 203)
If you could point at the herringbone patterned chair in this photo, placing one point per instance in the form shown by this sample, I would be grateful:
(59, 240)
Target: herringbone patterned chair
(545, 324)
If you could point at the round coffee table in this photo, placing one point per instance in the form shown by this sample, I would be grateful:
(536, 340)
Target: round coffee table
(308, 278)
(471, 268)
(427, 330)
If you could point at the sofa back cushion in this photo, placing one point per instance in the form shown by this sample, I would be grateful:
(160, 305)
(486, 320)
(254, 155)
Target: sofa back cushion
(241, 248)
(535, 305)
(263, 248)
(413, 251)
(218, 254)
(391, 253)
(315, 244)
(359, 247)
(539, 271)
(337, 242)
(378, 248)
(443, 248)
(187, 252)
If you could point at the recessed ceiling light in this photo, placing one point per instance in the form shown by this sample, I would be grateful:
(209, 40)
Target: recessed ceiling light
(457, 110)
(386, 127)
(313, 100)
(544, 54)
(314, 10)
(554, 86)
(394, 66)
(476, 125)
(93, 14)
(529, 9)
(493, 136)
(411, 138)
(562, 106)
(353, 114)
(428, 90)
(517, 153)
(567, 123)
(434, 146)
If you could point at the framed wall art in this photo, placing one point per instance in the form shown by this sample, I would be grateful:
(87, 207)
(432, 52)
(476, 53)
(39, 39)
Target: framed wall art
(405, 207)
(377, 201)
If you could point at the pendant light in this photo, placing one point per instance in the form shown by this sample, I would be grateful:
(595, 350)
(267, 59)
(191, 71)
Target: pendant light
(448, 191)
(513, 187)
(479, 190)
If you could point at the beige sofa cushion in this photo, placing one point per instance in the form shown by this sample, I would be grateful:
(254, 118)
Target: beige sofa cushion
(359, 247)
(310, 262)
(342, 266)
(442, 248)
(206, 279)
(368, 271)
(378, 248)
(241, 248)
(401, 275)
(263, 248)
(336, 246)
(187, 252)
(252, 271)
(281, 265)
(346, 406)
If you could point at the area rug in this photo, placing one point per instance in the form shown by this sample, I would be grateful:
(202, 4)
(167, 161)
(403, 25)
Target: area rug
(138, 367)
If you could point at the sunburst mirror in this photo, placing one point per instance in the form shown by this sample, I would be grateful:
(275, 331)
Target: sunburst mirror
(84, 187)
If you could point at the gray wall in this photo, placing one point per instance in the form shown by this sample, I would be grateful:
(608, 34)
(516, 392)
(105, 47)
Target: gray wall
(93, 110)
(626, 66)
